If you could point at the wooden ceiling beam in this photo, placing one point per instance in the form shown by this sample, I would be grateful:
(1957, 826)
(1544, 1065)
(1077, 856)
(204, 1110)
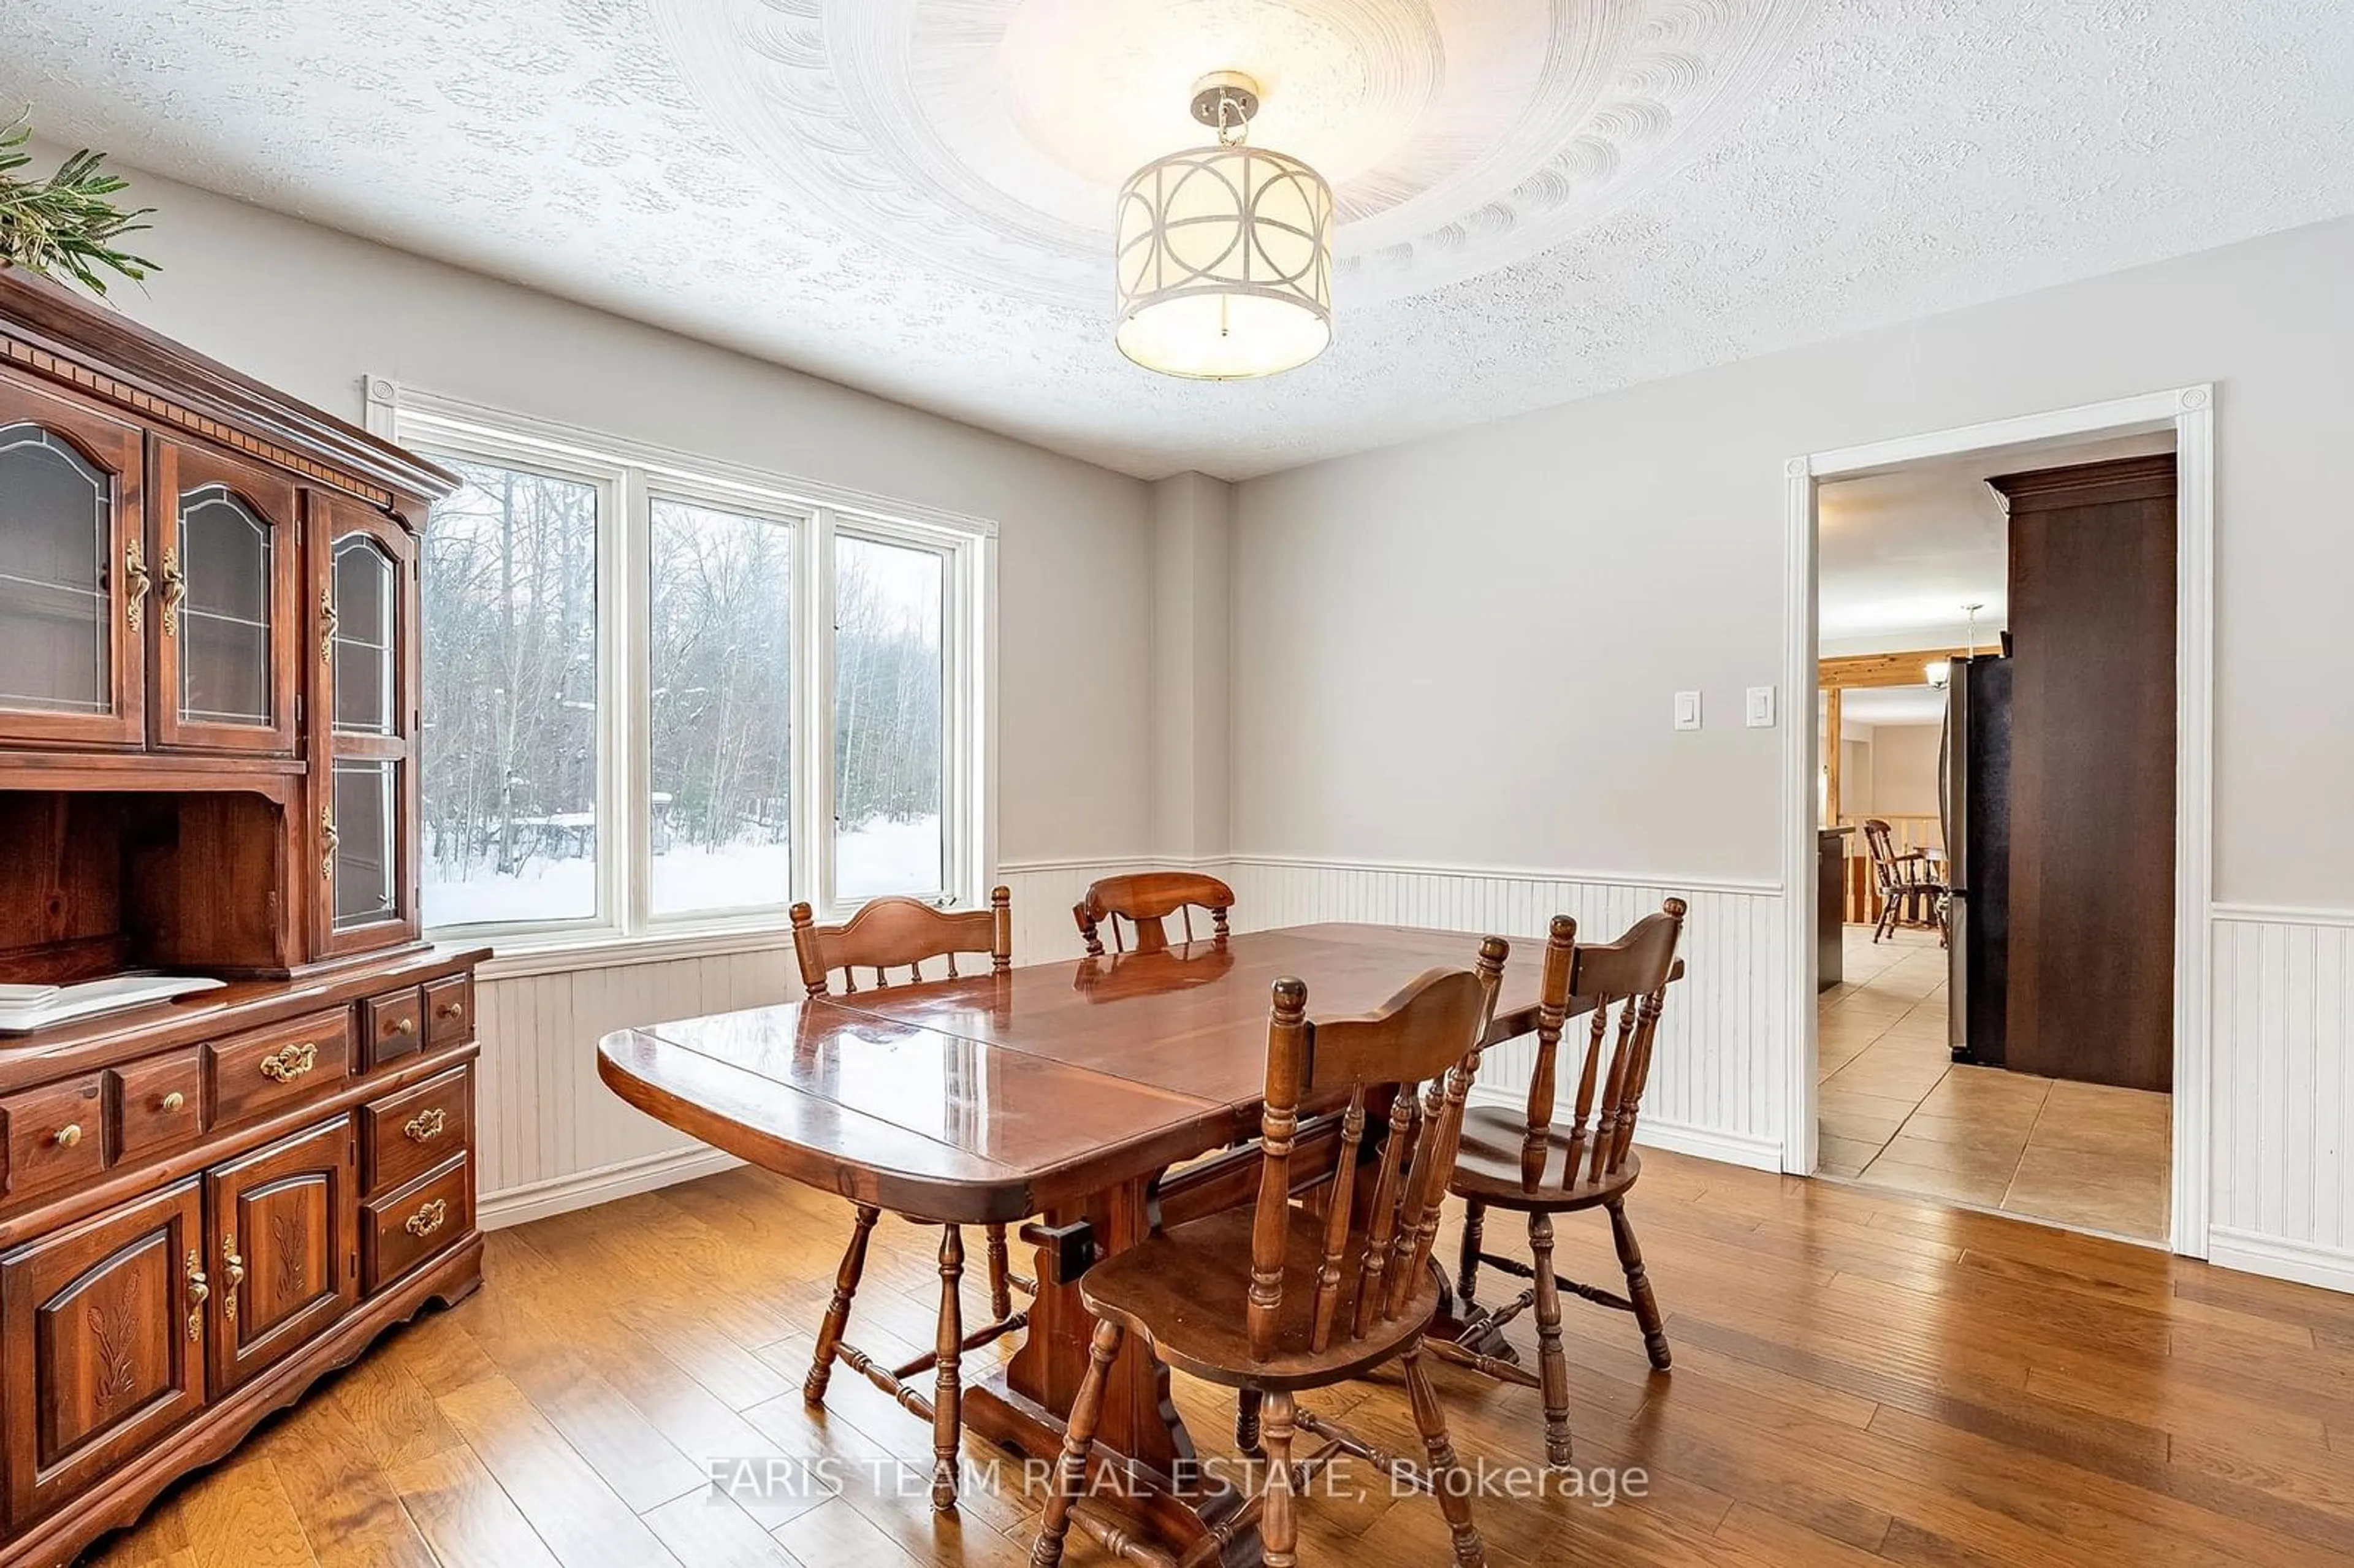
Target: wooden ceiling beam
(1881, 669)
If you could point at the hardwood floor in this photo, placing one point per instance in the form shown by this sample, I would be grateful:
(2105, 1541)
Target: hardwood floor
(1895, 1111)
(1859, 1378)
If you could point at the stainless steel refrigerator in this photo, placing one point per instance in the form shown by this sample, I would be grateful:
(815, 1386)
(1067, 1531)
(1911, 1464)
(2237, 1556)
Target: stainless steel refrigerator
(1974, 809)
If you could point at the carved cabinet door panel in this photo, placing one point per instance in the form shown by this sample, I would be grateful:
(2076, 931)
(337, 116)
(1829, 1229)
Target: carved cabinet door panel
(285, 1248)
(104, 1328)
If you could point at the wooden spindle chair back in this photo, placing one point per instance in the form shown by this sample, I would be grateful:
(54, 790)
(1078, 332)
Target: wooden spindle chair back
(1626, 980)
(1146, 901)
(1419, 1053)
(1879, 843)
(903, 934)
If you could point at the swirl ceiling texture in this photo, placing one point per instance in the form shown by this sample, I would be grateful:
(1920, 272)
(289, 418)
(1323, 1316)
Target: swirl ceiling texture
(1538, 199)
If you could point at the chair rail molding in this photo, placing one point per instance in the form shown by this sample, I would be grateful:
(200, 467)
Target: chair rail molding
(2189, 413)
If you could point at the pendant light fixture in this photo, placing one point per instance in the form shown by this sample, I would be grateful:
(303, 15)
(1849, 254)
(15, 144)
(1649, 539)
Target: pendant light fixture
(1225, 252)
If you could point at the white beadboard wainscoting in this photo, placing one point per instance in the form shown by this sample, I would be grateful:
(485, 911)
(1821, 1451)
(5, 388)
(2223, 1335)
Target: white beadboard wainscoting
(1712, 1083)
(2284, 1103)
(554, 1138)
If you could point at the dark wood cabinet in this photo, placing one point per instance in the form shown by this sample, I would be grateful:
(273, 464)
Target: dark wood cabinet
(2090, 987)
(208, 731)
(105, 1325)
(285, 1243)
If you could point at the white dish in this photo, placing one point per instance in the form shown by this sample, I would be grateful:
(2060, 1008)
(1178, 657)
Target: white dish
(24, 1008)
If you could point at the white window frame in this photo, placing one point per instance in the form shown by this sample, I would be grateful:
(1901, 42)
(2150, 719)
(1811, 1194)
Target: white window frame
(630, 476)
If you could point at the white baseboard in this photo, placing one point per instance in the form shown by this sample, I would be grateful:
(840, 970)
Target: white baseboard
(584, 1188)
(1700, 1142)
(1707, 1143)
(2252, 1251)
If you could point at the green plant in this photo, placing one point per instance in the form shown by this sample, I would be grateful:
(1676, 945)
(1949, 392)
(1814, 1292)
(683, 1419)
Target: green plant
(64, 225)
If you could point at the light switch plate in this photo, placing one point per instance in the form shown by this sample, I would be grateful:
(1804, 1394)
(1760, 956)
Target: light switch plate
(1761, 707)
(1687, 710)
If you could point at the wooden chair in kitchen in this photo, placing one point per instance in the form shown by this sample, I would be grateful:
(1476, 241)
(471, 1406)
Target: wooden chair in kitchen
(1528, 1162)
(889, 941)
(1912, 892)
(1279, 1299)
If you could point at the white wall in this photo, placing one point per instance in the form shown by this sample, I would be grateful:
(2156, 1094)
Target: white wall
(1556, 576)
(1459, 654)
(1905, 769)
(1855, 775)
(1192, 770)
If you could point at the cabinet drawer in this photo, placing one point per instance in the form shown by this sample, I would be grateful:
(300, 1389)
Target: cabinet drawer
(404, 1135)
(157, 1103)
(401, 1231)
(449, 1011)
(263, 1069)
(56, 1135)
(395, 1025)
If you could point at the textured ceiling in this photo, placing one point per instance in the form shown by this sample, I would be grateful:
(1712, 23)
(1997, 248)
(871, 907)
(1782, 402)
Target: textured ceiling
(1541, 199)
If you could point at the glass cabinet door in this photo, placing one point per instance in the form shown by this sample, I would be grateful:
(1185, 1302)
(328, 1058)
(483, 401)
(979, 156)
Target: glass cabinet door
(363, 746)
(363, 632)
(73, 572)
(224, 558)
(363, 844)
(227, 559)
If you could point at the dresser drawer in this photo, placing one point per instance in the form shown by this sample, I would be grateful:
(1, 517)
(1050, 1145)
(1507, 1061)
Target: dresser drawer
(402, 1230)
(158, 1103)
(56, 1135)
(449, 1011)
(279, 1064)
(404, 1135)
(393, 1026)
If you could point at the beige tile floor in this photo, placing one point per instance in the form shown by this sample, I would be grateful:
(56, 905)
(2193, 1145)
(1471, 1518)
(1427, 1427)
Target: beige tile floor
(1896, 1112)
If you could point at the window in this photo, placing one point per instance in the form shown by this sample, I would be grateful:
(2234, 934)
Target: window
(721, 711)
(888, 735)
(662, 696)
(511, 699)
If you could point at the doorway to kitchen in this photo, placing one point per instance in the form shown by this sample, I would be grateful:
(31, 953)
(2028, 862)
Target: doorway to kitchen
(2003, 799)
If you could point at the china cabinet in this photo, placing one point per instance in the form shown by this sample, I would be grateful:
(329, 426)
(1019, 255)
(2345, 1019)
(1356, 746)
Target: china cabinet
(208, 767)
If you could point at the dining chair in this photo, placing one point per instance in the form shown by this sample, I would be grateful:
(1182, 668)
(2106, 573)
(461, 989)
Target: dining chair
(1528, 1162)
(1279, 1299)
(1145, 901)
(1911, 890)
(886, 937)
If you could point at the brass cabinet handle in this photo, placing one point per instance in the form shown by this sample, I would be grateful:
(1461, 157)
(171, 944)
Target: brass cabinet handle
(451, 1010)
(288, 1062)
(405, 1024)
(426, 1125)
(175, 592)
(233, 1271)
(428, 1218)
(68, 1135)
(172, 1102)
(328, 622)
(328, 840)
(135, 583)
(199, 1291)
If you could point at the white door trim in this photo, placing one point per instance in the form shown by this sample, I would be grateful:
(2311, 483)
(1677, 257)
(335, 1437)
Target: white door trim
(2190, 411)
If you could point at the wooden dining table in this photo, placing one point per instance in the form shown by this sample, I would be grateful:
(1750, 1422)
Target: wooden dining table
(1060, 1094)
